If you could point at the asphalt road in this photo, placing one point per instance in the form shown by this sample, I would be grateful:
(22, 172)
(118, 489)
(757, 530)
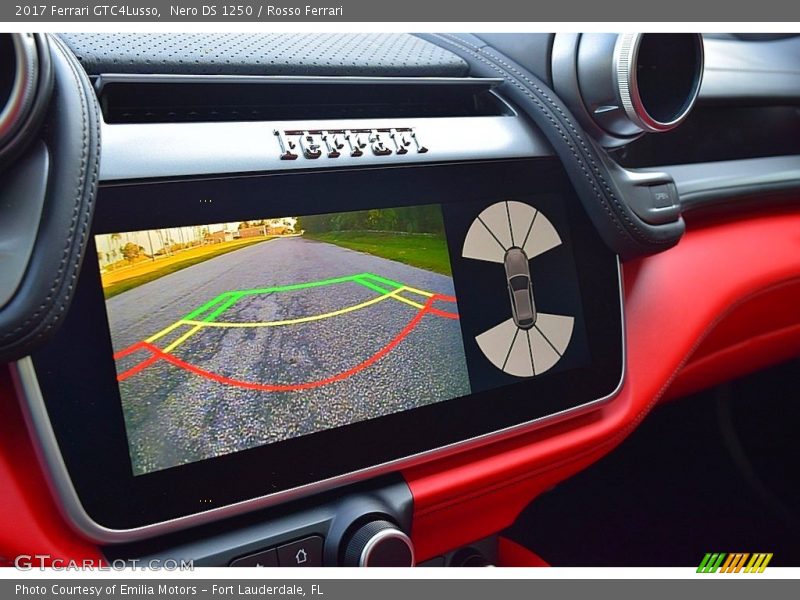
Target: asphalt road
(174, 416)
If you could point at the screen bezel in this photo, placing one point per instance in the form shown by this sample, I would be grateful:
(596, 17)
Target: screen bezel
(78, 380)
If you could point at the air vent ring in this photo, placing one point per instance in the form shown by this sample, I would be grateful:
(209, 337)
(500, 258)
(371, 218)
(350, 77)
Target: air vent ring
(622, 85)
(25, 85)
(658, 77)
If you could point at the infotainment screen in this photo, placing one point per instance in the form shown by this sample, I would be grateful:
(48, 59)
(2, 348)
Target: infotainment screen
(233, 335)
(245, 339)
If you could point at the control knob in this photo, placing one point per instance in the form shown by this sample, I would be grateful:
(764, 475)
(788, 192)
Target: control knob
(379, 544)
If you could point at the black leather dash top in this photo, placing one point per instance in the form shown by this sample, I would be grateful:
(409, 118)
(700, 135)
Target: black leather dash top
(377, 55)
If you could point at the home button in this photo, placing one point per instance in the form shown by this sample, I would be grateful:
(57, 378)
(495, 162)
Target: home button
(302, 553)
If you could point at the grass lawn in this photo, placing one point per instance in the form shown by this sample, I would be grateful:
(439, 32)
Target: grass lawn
(117, 282)
(424, 251)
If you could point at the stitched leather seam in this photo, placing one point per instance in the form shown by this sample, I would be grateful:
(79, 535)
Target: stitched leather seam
(587, 150)
(79, 197)
(576, 133)
(580, 162)
(87, 193)
(594, 171)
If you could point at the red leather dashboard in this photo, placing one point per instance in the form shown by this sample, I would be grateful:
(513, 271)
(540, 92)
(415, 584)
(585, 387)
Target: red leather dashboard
(674, 301)
(30, 522)
(721, 303)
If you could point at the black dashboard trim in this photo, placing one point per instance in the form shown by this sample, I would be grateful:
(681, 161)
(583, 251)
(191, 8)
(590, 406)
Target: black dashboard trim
(751, 72)
(725, 186)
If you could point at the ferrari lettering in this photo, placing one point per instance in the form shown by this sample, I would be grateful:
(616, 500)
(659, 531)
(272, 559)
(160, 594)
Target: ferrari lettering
(333, 143)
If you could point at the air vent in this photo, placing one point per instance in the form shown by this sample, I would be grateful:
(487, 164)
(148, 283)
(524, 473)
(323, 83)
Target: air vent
(620, 86)
(25, 84)
(171, 99)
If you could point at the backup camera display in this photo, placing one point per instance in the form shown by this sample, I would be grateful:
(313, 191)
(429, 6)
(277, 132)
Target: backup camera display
(229, 336)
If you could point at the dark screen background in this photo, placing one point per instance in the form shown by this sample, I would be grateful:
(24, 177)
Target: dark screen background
(482, 291)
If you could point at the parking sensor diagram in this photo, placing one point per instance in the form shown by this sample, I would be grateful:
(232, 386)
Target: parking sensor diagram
(513, 234)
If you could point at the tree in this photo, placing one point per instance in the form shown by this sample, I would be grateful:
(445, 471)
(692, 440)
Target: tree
(160, 233)
(406, 219)
(131, 252)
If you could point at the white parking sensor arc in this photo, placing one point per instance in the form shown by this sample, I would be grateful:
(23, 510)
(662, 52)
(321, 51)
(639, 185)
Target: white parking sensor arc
(501, 234)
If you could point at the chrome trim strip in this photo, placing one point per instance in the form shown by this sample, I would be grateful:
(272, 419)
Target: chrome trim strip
(70, 505)
(158, 150)
(626, 61)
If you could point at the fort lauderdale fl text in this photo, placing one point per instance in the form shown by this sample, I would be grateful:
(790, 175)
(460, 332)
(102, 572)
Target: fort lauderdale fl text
(178, 11)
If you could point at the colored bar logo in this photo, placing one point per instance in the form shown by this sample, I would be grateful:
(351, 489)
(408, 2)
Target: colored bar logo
(737, 562)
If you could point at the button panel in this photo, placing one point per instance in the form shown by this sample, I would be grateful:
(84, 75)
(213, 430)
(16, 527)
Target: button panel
(265, 558)
(664, 196)
(306, 552)
(302, 553)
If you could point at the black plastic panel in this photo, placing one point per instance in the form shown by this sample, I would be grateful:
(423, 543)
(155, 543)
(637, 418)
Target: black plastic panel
(714, 133)
(330, 516)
